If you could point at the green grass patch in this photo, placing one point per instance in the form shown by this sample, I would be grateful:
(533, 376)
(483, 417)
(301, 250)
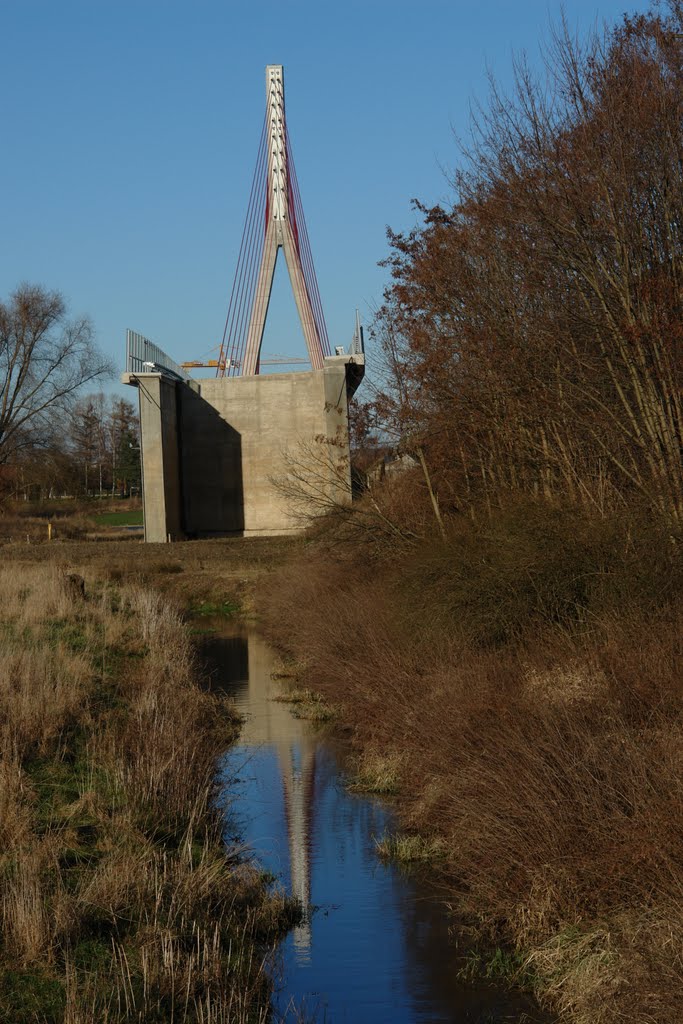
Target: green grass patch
(29, 996)
(133, 517)
(56, 784)
(506, 965)
(68, 632)
(92, 954)
(226, 608)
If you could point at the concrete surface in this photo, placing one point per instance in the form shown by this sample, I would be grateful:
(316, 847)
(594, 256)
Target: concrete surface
(246, 455)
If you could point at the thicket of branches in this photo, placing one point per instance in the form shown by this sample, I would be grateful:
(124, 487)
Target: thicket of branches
(533, 330)
(45, 360)
(93, 449)
(52, 440)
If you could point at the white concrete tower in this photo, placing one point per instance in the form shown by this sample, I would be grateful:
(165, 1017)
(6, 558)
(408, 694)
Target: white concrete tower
(280, 232)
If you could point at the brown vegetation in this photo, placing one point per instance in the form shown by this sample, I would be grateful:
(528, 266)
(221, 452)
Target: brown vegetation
(117, 899)
(207, 572)
(522, 682)
(25, 523)
(532, 330)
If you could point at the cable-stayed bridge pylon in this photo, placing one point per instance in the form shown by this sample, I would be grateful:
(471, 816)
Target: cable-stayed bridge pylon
(275, 220)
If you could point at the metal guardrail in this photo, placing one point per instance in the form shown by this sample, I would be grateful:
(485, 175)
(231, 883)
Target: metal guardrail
(143, 356)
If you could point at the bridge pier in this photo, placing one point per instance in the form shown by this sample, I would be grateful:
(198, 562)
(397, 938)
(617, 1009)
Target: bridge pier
(247, 456)
(160, 455)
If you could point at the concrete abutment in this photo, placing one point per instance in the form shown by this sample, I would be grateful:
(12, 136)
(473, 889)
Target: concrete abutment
(253, 455)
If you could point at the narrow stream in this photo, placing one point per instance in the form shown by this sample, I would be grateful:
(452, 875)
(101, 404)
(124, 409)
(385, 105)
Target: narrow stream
(374, 943)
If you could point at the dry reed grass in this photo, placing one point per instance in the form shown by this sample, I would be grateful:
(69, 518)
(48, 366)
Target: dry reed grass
(117, 901)
(372, 772)
(540, 741)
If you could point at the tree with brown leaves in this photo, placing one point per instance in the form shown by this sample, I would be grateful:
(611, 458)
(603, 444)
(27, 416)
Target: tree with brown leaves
(538, 321)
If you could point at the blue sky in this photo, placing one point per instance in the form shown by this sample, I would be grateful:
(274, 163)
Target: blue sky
(130, 130)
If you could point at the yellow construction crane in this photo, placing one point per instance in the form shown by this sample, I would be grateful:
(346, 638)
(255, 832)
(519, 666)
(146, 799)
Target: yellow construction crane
(199, 362)
(194, 364)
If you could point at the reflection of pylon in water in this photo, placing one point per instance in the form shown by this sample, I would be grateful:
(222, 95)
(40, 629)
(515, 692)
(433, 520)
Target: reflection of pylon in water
(297, 766)
(271, 722)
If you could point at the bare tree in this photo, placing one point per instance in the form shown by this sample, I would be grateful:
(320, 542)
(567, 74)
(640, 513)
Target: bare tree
(535, 324)
(45, 358)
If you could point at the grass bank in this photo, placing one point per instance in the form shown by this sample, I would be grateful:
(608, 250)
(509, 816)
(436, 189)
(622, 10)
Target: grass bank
(519, 687)
(216, 574)
(68, 519)
(117, 899)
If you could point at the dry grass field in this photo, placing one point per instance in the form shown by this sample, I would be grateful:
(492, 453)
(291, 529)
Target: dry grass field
(117, 899)
(206, 571)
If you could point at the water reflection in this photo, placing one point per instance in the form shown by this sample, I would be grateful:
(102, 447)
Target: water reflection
(373, 944)
(270, 732)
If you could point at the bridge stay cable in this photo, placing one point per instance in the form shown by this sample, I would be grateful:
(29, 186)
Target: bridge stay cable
(306, 253)
(253, 261)
(242, 287)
